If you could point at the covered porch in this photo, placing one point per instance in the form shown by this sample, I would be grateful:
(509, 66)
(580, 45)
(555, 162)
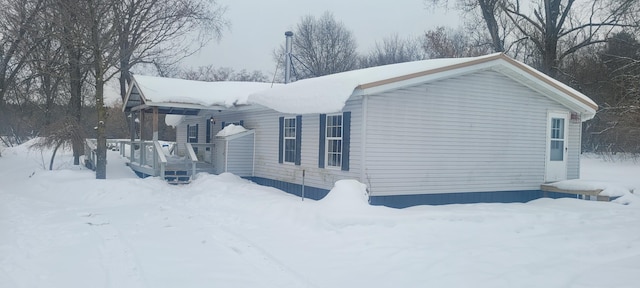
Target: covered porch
(147, 155)
(149, 97)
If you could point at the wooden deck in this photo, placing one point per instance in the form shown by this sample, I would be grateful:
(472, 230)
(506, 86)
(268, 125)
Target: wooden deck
(583, 194)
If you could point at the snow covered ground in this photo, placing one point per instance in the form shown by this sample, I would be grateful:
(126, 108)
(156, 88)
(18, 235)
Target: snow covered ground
(63, 228)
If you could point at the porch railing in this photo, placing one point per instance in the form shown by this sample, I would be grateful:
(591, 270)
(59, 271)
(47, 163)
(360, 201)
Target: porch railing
(192, 156)
(159, 159)
(90, 155)
(146, 154)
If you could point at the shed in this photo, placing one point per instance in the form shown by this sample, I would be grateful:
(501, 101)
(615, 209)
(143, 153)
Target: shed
(233, 153)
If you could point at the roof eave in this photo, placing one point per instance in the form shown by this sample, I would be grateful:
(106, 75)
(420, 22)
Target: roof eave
(544, 84)
(547, 80)
(429, 72)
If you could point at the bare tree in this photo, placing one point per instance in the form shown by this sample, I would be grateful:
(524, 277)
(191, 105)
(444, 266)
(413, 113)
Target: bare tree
(321, 46)
(449, 43)
(610, 74)
(47, 68)
(104, 58)
(490, 13)
(149, 31)
(211, 74)
(16, 26)
(558, 28)
(553, 28)
(70, 31)
(392, 50)
(62, 133)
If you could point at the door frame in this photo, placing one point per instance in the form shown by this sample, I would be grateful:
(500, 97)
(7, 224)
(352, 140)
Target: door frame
(552, 166)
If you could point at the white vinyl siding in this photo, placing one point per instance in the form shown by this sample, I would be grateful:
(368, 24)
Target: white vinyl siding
(473, 133)
(574, 136)
(234, 154)
(181, 131)
(265, 123)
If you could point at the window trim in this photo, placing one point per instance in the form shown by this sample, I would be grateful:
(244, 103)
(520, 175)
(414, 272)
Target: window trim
(285, 138)
(298, 140)
(328, 138)
(346, 142)
(192, 133)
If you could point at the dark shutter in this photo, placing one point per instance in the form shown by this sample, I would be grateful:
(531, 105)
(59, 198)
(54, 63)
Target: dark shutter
(208, 130)
(241, 123)
(188, 129)
(323, 135)
(222, 125)
(346, 139)
(298, 139)
(197, 130)
(280, 139)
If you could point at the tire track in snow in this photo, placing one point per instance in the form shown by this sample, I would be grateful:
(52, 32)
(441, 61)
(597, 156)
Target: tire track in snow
(260, 258)
(119, 264)
(280, 274)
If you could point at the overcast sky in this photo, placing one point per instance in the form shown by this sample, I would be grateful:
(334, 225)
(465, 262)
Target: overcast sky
(258, 26)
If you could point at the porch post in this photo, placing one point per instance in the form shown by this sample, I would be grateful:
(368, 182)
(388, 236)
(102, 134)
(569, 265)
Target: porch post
(155, 123)
(132, 131)
(143, 149)
(141, 124)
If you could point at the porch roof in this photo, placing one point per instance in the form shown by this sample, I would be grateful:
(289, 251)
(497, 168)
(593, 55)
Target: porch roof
(187, 97)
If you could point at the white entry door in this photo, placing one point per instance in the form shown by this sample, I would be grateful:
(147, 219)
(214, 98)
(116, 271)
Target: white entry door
(556, 168)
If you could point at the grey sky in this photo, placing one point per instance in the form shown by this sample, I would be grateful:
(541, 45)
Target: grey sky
(257, 27)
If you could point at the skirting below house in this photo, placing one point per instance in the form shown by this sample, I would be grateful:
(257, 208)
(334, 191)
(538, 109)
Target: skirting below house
(291, 188)
(403, 201)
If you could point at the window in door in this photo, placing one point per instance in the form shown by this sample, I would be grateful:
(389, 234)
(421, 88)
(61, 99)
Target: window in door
(557, 139)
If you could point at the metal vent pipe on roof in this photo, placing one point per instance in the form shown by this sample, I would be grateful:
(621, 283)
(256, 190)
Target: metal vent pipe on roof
(287, 61)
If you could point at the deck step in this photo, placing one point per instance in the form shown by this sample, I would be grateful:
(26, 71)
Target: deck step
(177, 177)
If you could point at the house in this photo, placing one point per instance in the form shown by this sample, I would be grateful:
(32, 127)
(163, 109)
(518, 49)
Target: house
(481, 129)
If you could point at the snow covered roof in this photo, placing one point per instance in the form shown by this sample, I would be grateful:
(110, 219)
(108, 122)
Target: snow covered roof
(328, 94)
(178, 96)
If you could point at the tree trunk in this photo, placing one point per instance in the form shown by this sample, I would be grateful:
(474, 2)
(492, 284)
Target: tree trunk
(75, 103)
(550, 53)
(488, 8)
(53, 156)
(99, 70)
(101, 152)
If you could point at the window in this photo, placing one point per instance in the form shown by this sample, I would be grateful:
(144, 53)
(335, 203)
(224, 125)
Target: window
(557, 139)
(289, 140)
(192, 133)
(334, 141)
(335, 136)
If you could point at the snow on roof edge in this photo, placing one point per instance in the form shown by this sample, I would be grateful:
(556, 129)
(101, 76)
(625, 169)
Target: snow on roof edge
(172, 90)
(328, 94)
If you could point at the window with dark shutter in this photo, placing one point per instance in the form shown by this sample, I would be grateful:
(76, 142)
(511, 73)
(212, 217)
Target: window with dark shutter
(335, 137)
(290, 142)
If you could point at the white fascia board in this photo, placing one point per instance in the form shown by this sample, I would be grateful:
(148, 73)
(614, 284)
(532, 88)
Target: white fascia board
(169, 105)
(424, 79)
(547, 90)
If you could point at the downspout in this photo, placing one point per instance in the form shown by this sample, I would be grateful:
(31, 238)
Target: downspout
(363, 146)
(253, 160)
